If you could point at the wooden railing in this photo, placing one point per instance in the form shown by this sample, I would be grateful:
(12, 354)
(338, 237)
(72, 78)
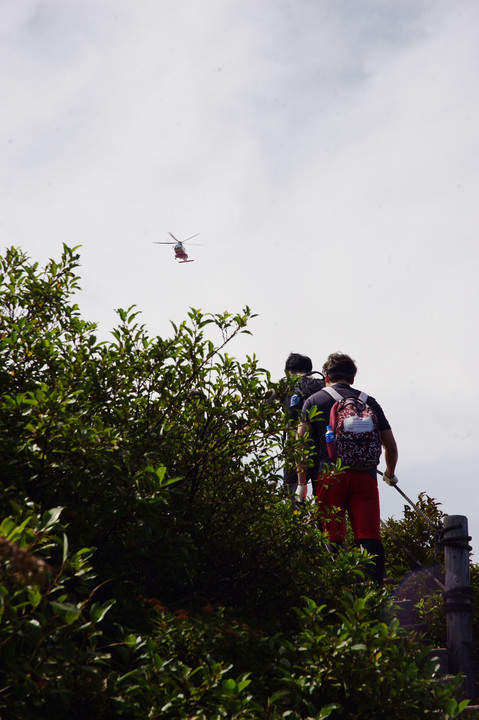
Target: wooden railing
(458, 600)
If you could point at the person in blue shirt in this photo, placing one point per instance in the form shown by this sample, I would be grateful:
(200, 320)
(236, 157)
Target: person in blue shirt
(308, 381)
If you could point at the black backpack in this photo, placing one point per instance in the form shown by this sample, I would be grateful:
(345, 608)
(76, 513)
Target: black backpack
(309, 384)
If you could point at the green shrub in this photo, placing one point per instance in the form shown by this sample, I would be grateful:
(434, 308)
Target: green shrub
(163, 455)
(54, 655)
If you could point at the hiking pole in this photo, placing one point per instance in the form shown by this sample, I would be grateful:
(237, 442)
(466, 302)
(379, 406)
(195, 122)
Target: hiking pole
(418, 510)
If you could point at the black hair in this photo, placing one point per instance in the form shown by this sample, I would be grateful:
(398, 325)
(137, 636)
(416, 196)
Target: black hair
(340, 367)
(297, 363)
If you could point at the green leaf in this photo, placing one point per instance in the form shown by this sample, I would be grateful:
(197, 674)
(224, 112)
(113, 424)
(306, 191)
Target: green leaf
(11, 530)
(50, 519)
(68, 611)
(65, 548)
(131, 640)
(98, 612)
(228, 685)
(35, 596)
(326, 710)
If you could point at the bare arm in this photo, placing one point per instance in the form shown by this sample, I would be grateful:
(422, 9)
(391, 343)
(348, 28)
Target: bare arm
(390, 452)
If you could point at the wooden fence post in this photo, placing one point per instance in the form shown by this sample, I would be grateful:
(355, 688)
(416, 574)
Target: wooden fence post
(458, 600)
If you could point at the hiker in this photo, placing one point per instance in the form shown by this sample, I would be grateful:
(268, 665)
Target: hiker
(355, 490)
(309, 382)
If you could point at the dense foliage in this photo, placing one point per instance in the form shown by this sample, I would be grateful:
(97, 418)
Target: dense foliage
(151, 567)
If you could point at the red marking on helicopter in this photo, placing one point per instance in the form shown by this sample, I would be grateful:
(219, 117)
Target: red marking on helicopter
(180, 252)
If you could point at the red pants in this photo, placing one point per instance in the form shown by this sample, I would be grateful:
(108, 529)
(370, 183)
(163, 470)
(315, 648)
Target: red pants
(354, 492)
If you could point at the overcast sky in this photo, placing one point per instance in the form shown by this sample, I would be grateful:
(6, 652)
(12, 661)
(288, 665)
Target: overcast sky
(327, 151)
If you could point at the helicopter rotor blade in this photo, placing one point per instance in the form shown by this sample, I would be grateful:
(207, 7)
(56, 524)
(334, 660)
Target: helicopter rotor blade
(169, 242)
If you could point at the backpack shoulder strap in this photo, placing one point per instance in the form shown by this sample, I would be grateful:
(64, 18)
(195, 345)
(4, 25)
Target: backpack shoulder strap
(334, 393)
(336, 396)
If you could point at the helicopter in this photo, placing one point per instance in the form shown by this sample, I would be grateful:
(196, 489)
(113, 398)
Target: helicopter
(180, 252)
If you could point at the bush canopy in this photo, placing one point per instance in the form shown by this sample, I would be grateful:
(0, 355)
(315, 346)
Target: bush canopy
(151, 564)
